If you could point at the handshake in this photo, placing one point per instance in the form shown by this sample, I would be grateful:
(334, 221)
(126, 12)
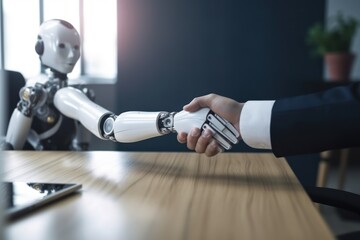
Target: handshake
(211, 124)
(211, 133)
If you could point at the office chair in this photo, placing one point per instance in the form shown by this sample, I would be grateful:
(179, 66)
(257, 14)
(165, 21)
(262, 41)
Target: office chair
(337, 198)
(13, 82)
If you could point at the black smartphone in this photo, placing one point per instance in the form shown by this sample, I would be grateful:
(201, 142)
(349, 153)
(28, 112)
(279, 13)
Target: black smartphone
(23, 197)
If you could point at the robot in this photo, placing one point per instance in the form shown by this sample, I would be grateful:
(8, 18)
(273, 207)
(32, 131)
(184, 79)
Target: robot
(53, 115)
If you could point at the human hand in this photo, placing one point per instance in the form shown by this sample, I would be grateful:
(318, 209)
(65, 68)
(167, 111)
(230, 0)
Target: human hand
(202, 142)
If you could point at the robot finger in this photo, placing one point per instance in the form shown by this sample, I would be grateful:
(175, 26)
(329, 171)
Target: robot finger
(222, 141)
(223, 127)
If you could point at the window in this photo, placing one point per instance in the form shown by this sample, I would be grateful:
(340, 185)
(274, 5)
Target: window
(20, 30)
(95, 20)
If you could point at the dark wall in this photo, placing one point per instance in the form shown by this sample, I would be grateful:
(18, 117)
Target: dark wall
(171, 51)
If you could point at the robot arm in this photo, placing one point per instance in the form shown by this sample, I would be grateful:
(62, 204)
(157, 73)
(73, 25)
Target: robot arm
(127, 127)
(31, 98)
(18, 130)
(136, 126)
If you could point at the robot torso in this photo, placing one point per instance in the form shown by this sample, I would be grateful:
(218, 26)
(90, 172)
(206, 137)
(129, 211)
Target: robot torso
(50, 130)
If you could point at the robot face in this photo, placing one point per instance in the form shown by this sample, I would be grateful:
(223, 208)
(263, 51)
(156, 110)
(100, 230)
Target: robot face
(58, 45)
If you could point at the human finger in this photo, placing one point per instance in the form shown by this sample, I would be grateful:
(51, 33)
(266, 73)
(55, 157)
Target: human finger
(213, 148)
(182, 137)
(203, 141)
(192, 138)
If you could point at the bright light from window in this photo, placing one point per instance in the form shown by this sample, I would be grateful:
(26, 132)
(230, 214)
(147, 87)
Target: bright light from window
(20, 17)
(100, 38)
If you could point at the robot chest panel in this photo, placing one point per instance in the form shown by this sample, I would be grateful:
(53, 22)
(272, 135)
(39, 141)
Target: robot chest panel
(55, 137)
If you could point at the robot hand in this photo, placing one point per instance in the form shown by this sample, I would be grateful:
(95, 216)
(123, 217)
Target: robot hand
(223, 131)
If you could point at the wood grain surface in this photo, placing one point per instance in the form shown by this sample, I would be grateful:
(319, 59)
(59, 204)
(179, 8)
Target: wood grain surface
(165, 195)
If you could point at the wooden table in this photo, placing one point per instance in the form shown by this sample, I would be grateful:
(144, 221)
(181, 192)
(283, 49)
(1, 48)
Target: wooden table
(158, 195)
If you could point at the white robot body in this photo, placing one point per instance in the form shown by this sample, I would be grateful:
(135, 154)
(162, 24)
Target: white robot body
(74, 104)
(135, 126)
(18, 129)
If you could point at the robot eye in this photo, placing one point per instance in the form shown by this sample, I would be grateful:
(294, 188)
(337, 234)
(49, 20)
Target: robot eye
(61, 45)
(76, 47)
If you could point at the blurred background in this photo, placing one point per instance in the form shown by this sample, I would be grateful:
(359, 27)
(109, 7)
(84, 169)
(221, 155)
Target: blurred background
(158, 55)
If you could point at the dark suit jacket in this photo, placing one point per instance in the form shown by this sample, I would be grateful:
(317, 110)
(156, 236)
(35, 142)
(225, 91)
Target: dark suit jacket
(316, 122)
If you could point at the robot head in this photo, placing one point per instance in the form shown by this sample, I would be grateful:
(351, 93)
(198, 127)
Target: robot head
(58, 45)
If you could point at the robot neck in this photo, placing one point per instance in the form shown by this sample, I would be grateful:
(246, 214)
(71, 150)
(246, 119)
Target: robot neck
(59, 75)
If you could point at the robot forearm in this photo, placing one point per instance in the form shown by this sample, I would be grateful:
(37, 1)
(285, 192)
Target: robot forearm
(136, 126)
(18, 129)
(31, 98)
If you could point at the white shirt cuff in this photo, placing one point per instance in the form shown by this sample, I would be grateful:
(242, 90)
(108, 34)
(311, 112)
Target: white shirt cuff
(255, 120)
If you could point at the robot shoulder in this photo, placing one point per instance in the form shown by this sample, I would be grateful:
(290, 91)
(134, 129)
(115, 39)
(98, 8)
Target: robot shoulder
(90, 93)
(41, 78)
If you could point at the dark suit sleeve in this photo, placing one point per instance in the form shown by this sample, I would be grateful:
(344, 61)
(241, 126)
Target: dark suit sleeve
(316, 122)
